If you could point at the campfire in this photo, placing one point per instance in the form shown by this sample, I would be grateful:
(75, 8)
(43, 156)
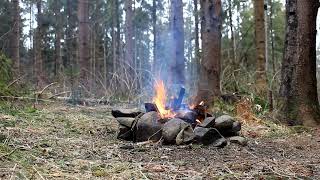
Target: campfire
(171, 121)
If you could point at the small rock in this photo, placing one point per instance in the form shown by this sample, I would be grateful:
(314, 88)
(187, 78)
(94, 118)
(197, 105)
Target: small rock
(234, 131)
(220, 143)
(208, 122)
(131, 113)
(206, 136)
(239, 140)
(125, 133)
(172, 128)
(185, 136)
(236, 126)
(148, 127)
(126, 121)
(224, 122)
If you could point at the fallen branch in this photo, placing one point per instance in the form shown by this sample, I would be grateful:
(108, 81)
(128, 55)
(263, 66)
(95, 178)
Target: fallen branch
(23, 98)
(15, 81)
(55, 95)
(39, 93)
(83, 100)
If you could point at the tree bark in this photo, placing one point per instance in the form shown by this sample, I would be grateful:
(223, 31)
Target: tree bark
(129, 53)
(114, 38)
(58, 34)
(210, 67)
(38, 62)
(299, 99)
(233, 42)
(15, 37)
(154, 26)
(84, 41)
(260, 38)
(177, 65)
(196, 63)
(273, 70)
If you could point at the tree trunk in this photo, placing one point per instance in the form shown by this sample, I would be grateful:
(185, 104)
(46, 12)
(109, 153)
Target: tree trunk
(38, 66)
(15, 37)
(196, 63)
(233, 42)
(299, 100)
(177, 65)
(209, 83)
(129, 53)
(84, 44)
(260, 38)
(273, 70)
(154, 26)
(114, 38)
(58, 34)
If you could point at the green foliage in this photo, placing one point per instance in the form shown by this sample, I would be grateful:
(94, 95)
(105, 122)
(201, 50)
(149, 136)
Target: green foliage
(5, 69)
(25, 110)
(6, 75)
(241, 78)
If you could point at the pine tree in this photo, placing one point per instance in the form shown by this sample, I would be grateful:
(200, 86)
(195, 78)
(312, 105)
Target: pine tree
(209, 83)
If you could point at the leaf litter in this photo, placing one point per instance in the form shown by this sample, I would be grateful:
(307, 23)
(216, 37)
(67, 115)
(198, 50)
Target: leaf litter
(65, 142)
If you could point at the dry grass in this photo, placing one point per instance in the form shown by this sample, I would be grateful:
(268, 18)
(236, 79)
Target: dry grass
(63, 142)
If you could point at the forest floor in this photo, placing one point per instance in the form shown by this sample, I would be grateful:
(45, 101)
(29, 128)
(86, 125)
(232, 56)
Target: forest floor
(63, 142)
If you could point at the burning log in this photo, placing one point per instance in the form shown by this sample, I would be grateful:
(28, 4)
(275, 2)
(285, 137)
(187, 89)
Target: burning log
(151, 107)
(201, 112)
(178, 101)
(188, 116)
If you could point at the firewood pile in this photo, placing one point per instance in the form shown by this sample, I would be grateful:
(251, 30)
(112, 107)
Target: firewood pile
(185, 127)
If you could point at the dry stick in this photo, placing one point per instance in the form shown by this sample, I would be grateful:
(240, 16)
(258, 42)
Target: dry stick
(55, 95)
(23, 98)
(38, 173)
(16, 80)
(13, 170)
(232, 173)
(46, 88)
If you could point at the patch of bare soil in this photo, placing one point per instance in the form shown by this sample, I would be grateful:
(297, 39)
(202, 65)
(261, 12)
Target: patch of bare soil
(64, 142)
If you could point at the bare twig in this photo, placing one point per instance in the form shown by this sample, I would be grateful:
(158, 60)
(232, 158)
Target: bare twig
(16, 80)
(46, 88)
(23, 98)
(55, 95)
(38, 173)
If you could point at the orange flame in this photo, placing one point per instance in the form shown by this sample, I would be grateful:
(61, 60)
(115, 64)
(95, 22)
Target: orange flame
(160, 99)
